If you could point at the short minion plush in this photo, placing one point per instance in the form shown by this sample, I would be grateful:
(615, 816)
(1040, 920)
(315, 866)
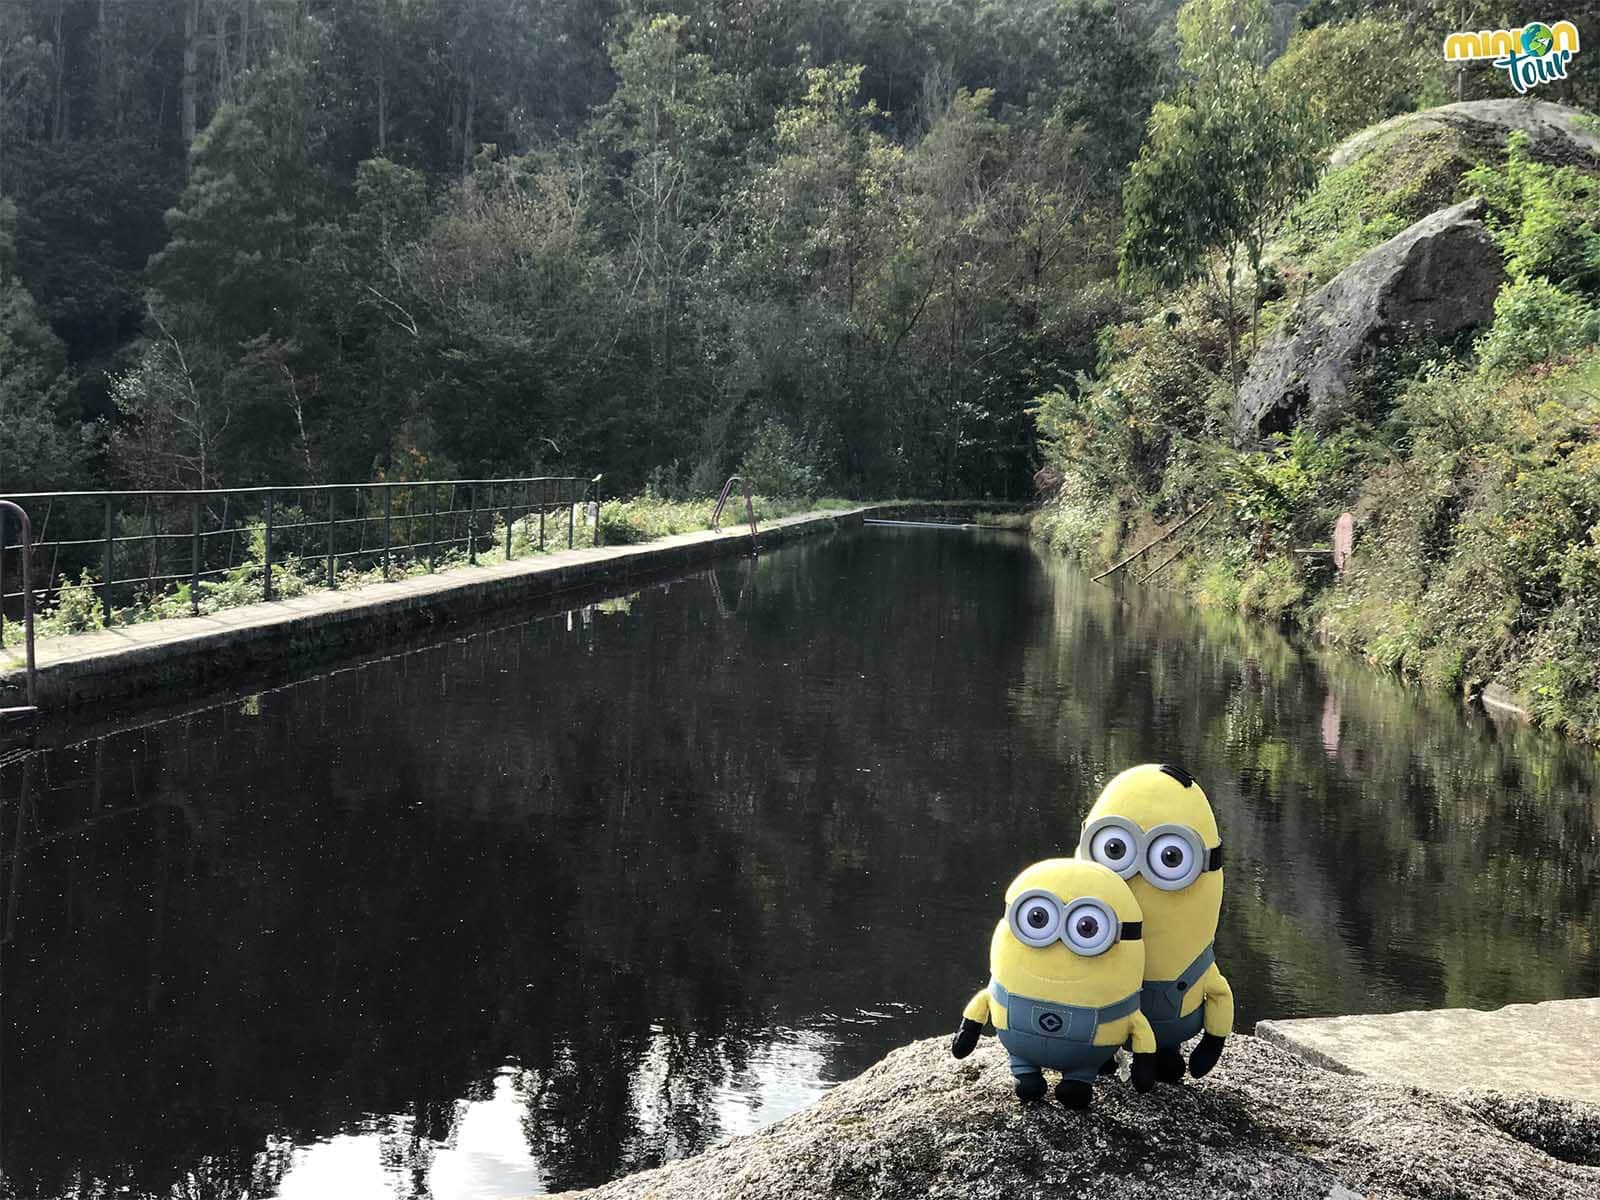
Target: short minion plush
(1066, 962)
(1154, 827)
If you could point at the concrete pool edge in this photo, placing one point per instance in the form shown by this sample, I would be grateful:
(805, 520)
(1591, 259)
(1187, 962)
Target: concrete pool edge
(1513, 1049)
(131, 660)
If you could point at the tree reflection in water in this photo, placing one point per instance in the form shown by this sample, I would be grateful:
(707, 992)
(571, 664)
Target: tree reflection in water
(535, 907)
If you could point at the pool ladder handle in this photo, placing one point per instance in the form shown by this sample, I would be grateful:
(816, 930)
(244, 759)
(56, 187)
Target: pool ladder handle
(749, 508)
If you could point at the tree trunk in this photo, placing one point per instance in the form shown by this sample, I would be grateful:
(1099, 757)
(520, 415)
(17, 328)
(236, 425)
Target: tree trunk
(1233, 328)
(191, 34)
(105, 106)
(58, 56)
(467, 147)
(383, 80)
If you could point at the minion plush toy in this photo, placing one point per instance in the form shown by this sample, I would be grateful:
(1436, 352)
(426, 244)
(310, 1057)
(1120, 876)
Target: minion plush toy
(1154, 827)
(1065, 962)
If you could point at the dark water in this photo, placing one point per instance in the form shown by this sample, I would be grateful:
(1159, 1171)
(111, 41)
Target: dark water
(544, 905)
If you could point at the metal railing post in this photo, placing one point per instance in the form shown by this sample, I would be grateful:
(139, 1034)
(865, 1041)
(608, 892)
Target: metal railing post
(472, 525)
(194, 556)
(266, 577)
(25, 549)
(105, 585)
(572, 517)
(541, 525)
(332, 499)
(508, 522)
(388, 516)
(151, 544)
(433, 527)
(3, 520)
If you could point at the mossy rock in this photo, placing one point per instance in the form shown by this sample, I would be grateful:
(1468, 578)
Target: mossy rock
(1384, 179)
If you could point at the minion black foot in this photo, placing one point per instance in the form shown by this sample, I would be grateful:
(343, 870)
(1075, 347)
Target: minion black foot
(1074, 1093)
(1169, 1065)
(1030, 1087)
(1109, 1067)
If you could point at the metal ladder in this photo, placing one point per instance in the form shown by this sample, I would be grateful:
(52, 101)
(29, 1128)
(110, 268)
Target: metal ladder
(749, 508)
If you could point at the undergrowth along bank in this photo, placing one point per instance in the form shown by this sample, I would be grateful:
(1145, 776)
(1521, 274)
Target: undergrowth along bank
(1472, 469)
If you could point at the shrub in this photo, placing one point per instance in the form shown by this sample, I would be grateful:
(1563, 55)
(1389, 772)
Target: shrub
(1273, 588)
(1279, 488)
(1354, 75)
(776, 464)
(1545, 219)
(77, 609)
(1534, 321)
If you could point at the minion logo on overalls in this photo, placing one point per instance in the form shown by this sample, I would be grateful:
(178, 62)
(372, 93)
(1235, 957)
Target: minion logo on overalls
(1066, 962)
(1153, 826)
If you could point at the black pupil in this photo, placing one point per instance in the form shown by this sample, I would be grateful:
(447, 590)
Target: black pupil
(1172, 857)
(1116, 848)
(1038, 917)
(1088, 927)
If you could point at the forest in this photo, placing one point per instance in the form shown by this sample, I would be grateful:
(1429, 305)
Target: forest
(844, 245)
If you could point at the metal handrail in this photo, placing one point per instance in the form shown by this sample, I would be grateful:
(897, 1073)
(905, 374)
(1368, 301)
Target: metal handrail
(26, 528)
(134, 542)
(749, 507)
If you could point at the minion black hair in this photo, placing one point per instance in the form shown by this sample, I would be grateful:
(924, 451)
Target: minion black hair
(1179, 774)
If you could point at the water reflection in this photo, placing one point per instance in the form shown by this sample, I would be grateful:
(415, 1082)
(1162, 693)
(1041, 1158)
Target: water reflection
(536, 907)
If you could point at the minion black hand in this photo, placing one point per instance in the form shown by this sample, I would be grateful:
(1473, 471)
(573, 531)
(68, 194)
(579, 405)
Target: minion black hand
(1205, 1055)
(966, 1038)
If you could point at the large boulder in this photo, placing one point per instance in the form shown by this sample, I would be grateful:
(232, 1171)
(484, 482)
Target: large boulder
(1263, 1124)
(1557, 133)
(1431, 281)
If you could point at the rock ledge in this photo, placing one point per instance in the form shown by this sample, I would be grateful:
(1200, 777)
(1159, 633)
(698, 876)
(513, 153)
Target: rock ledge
(1264, 1124)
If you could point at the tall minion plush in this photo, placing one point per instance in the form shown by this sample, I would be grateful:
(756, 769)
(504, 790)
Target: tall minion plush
(1154, 827)
(1065, 964)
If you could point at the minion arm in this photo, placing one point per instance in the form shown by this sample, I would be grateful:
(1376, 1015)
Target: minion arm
(1218, 1003)
(977, 1008)
(1144, 1038)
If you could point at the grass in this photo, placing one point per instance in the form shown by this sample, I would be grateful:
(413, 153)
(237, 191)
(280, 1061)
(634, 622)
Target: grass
(1004, 520)
(622, 522)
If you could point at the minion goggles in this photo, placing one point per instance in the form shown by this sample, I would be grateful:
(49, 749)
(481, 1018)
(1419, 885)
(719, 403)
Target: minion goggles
(1170, 857)
(1085, 926)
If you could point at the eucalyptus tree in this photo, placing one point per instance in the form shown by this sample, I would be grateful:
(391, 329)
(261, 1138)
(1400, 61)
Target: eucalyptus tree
(1221, 163)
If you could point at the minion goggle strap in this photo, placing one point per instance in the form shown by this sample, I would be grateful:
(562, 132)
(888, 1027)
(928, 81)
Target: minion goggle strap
(1086, 926)
(1170, 857)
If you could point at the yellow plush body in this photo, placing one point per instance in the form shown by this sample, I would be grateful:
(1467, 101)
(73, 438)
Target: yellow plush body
(1056, 1007)
(1179, 925)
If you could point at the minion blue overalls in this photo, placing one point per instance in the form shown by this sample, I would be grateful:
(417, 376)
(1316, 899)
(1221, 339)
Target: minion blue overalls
(1042, 1033)
(1162, 1000)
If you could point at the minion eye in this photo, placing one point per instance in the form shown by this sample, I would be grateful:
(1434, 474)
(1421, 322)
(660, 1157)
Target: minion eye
(1090, 928)
(1171, 860)
(1036, 919)
(1114, 847)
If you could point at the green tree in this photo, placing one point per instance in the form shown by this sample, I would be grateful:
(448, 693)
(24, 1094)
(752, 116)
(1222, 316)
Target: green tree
(40, 445)
(1220, 165)
(1357, 74)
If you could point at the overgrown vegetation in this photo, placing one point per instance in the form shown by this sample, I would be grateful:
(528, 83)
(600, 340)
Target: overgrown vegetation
(1475, 484)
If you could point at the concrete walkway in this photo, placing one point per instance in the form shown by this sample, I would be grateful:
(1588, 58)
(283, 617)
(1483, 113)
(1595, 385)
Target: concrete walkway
(118, 662)
(1545, 1049)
